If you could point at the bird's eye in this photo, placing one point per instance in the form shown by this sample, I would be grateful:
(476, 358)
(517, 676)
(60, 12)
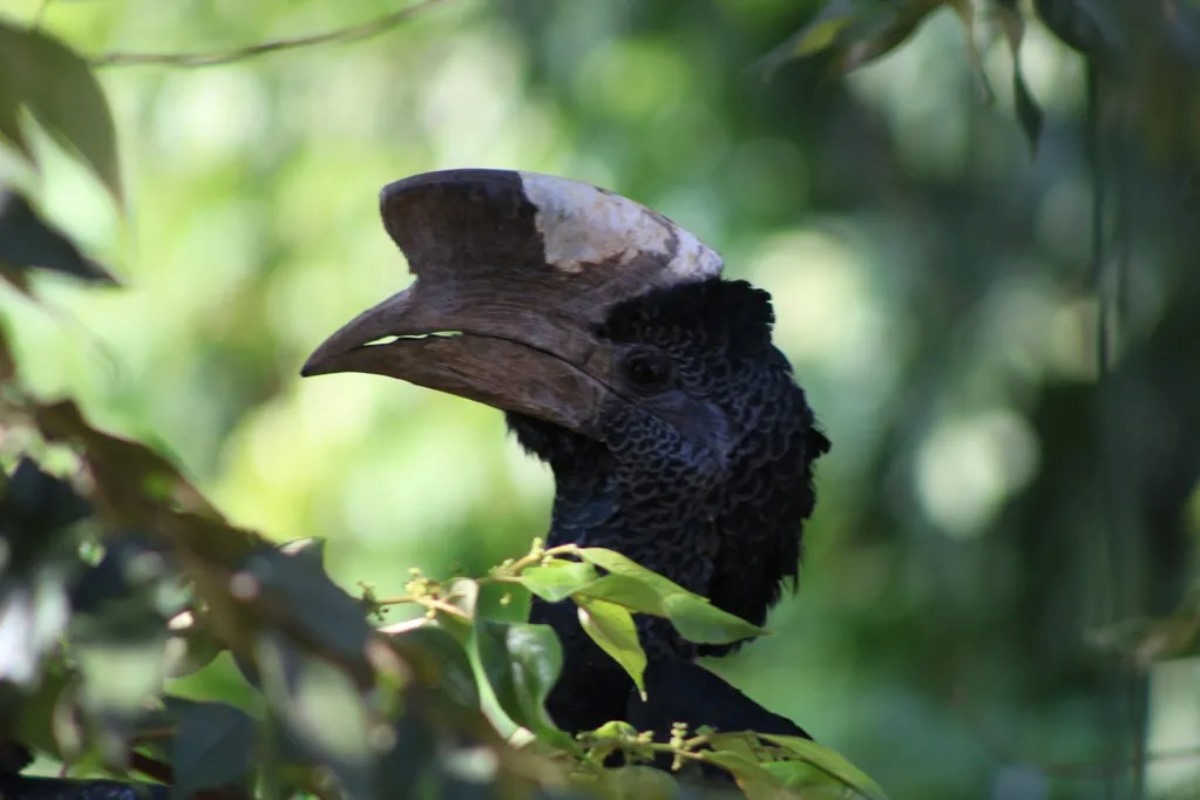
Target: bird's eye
(648, 369)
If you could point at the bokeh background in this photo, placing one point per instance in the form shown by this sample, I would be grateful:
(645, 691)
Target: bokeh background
(994, 500)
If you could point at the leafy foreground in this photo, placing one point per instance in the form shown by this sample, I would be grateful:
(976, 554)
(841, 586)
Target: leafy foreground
(123, 577)
(117, 577)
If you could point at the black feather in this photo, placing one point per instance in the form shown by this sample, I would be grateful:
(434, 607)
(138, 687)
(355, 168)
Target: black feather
(708, 482)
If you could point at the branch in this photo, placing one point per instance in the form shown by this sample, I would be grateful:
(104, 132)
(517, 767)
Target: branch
(351, 33)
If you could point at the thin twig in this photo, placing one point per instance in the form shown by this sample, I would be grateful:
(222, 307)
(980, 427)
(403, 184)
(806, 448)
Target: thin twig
(351, 33)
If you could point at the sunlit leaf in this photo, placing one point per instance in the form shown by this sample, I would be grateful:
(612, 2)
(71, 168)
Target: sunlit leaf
(27, 240)
(639, 589)
(611, 627)
(558, 579)
(633, 592)
(832, 764)
(213, 747)
(704, 623)
(59, 89)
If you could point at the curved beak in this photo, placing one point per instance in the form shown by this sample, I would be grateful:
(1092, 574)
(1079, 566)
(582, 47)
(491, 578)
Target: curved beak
(514, 273)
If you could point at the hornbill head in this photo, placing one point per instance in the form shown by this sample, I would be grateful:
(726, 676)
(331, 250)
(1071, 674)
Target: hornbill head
(648, 383)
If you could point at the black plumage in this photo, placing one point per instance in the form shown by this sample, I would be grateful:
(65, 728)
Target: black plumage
(703, 476)
(674, 428)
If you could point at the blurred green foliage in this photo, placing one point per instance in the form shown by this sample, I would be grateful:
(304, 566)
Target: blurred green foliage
(1001, 344)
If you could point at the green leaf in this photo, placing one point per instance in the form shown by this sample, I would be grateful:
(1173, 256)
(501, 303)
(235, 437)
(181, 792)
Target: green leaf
(213, 747)
(705, 623)
(755, 782)
(59, 89)
(27, 240)
(37, 511)
(611, 626)
(639, 782)
(10, 122)
(1029, 114)
(330, 615)
(191, 650)
(43, 707)
(558, 579)
(631, 592)
(322, 711)
(454, 672)
(521, 663)
(637, 588)
(1080, 24)
(853, 32)
(830, 763)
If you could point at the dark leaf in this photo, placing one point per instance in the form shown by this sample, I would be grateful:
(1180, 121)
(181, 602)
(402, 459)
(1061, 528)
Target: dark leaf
(755, 782)
(190, 651)
(321, 710)
(213, 747)
(59, 89)
(27, 788)
(36, 511)
(130, 564)
(1029, 114)
(853, 32)
(8, 365)
(138, 489)
(521, 663)
(454, 674)
(1144, 641)
(299, 591)
(10, 121)
(310, 550)
(639, 783)
(1028, 111)
(27, 240)
(1080, 24)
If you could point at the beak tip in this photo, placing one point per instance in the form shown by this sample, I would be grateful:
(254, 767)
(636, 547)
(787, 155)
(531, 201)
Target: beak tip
(313, 366)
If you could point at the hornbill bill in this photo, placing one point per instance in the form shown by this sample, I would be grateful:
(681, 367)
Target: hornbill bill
(648, 383)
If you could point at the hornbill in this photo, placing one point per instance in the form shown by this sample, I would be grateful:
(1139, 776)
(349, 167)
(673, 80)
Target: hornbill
(649, 384)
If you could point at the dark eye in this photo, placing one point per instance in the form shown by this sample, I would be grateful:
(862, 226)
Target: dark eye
(648, 369)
